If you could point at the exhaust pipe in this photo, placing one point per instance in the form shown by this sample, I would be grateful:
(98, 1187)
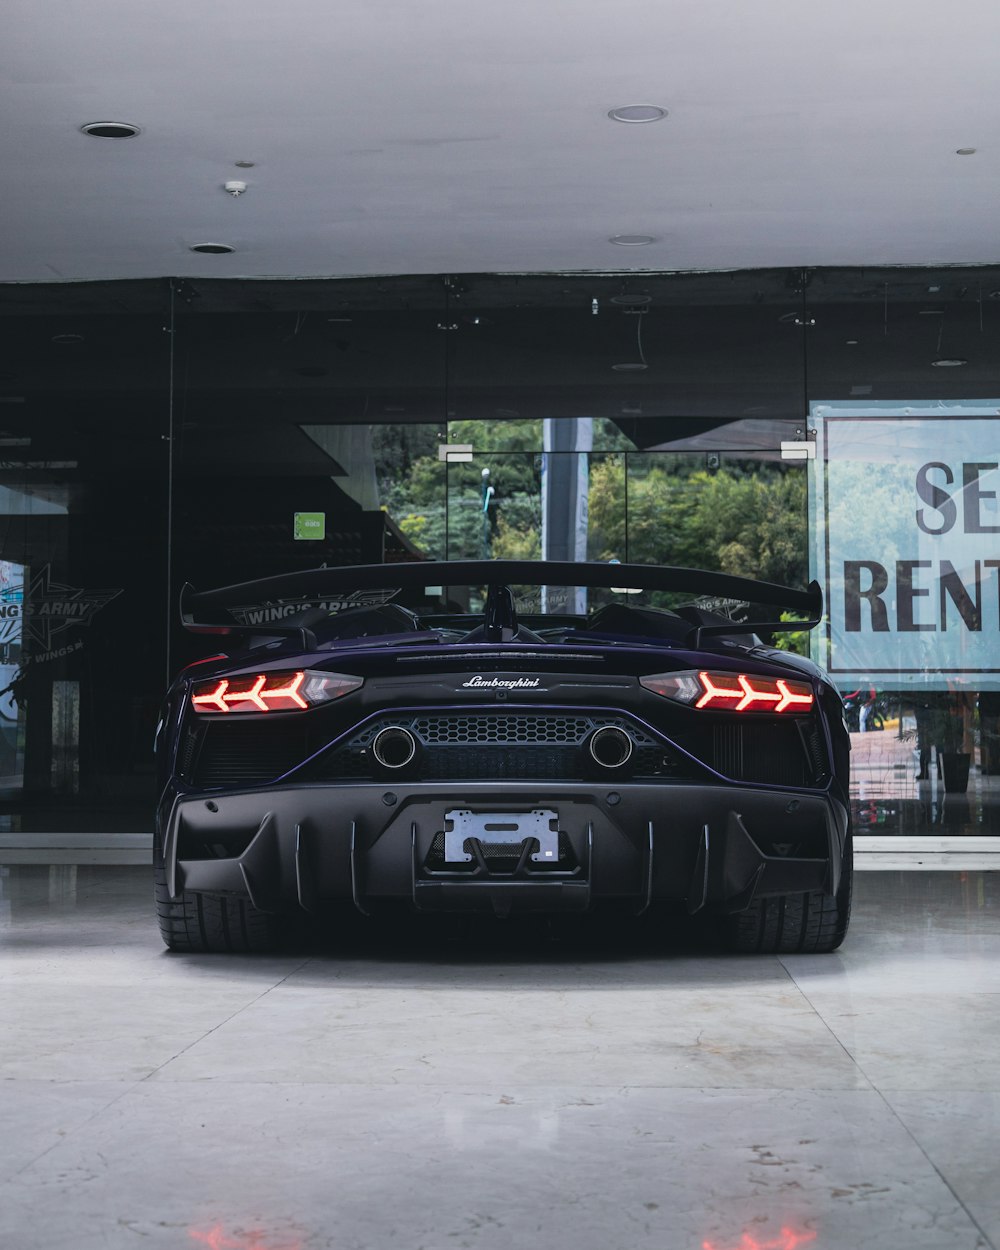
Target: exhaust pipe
(610, 747)
(394, 747)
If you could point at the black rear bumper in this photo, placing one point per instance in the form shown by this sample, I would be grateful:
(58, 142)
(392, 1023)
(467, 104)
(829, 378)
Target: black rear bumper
(687, 843)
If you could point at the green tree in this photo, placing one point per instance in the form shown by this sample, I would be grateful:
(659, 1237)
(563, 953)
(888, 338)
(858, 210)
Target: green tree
(439, 506)
(751, 524)
(660, 509)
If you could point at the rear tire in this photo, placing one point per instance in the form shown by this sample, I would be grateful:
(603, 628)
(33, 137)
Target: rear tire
(210, 922)
(811, 923)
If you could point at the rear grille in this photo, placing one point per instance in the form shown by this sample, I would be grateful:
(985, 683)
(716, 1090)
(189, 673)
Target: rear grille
(771, 752)
(815, 744)
(523, 729)
(469, 762)
(502, 746)
(187, 750)
(247, 753)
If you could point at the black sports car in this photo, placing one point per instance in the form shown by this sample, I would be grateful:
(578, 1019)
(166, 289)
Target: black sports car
(348, 751)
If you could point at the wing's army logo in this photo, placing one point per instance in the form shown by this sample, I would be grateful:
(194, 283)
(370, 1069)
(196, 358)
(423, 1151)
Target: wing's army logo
(44, 609)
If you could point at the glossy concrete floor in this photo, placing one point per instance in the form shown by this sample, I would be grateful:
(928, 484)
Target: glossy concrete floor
(498, 1087)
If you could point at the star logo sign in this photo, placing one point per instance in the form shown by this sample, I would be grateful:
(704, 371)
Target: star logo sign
(48, 609)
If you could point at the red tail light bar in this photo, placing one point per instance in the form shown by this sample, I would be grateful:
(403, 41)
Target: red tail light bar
(270, 692)
(732, 692)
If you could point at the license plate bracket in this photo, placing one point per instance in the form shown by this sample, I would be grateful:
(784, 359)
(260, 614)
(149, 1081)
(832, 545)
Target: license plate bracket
(461, 823)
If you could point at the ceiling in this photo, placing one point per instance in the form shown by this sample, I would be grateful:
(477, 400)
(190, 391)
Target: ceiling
(458, 137)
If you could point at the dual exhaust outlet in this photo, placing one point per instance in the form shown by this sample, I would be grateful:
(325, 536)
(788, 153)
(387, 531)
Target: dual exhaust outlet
(395, 747)
(610, 747)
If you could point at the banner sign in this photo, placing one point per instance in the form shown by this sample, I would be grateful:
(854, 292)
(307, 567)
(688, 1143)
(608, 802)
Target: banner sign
(905, 530)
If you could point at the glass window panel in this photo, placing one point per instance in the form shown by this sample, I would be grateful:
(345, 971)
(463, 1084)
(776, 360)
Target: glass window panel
(83, 539)
(281, 388)
(903, 334)
(311, 423)
(902, 369)
(719, 511)
(652, 358)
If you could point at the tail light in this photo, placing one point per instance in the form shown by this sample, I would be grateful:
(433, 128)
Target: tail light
(732, 692)
(271, 692)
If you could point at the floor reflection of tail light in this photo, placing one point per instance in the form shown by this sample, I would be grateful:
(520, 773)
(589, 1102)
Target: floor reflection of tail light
(788, 1239)
(732, 692)
(218, 1238)
(270, 692)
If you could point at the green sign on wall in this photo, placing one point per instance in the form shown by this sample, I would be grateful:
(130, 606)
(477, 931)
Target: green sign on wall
(309, 525)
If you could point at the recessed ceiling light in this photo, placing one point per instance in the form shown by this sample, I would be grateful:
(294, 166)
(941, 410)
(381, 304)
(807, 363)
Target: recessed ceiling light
(110, 130)
(244, 164)
(850, 342)
(930, 312)
(630, 301)
(638, 113)
(948, 362)
(632, 240)
(630, 367)
(67, 338)
(965, 151)
(211, 249)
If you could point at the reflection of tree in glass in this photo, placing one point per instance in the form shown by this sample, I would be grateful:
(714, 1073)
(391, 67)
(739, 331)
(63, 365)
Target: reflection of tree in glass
(744, 519)
(424, 495)
(870, 511)
(751, 524)
(870, 516)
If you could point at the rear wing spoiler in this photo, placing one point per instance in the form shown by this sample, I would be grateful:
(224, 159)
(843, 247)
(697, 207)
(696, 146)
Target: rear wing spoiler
(230, 609)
